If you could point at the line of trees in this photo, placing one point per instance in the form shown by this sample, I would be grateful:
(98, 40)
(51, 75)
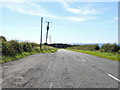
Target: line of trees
(14, 47)
(85, 47)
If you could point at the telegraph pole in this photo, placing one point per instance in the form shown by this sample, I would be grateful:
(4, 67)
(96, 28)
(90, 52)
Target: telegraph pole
(41, 35)
(50, 39)
(47, 31)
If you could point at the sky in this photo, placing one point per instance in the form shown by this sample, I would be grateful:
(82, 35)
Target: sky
(71, 22)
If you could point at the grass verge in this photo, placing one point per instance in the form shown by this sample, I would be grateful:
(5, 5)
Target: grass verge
(111, 56)
(5, 59)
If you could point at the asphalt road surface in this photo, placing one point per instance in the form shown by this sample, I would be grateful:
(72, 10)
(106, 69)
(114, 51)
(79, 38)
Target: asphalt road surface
(63, 69)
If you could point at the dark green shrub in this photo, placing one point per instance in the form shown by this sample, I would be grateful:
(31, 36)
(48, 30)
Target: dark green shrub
(34, 45)
(36, 49)
(7, 49)
(114, 48)
(26, 47)
(2, 38)
(118, 51)
(110, 48)
(97, 47)
(16, 46)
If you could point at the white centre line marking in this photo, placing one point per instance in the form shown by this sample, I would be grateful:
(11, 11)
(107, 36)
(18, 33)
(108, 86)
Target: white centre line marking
(114, 77)
(83, 60)
(51, 85)
(50, 64)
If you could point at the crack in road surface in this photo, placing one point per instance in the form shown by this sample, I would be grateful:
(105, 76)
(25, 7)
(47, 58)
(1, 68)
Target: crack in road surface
(63, 69)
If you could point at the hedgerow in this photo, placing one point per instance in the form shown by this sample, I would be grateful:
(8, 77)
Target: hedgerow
(14, 47)
(110, 48)
(85, 47)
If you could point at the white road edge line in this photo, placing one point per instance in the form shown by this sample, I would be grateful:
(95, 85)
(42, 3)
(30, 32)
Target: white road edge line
(83, 60)
(114, 77)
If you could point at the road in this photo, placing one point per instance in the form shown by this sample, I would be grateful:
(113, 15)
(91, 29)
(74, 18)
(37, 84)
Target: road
(63, 69)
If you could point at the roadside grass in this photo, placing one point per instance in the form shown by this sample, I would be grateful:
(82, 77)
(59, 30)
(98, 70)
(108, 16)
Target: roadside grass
(36, 50)
(111, 56)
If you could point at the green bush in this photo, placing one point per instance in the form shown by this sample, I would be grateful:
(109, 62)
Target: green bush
(110, 48)
(36, 49)
(16, 46)
(26, 47)
(7, 49)
(34, 45)
(97, 47)
(118, 51)
(2, 38)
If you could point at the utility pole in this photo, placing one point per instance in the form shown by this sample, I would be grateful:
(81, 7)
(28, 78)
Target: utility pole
(50, 39)
(41, 35)
(47, 31)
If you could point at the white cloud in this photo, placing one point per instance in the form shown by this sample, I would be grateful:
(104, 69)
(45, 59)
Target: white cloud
(79, 19)
(116, 18)
(73, 10)
(28, 8)
(85, 10)
(35, 9)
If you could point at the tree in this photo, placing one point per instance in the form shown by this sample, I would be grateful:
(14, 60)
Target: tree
(97, 47)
